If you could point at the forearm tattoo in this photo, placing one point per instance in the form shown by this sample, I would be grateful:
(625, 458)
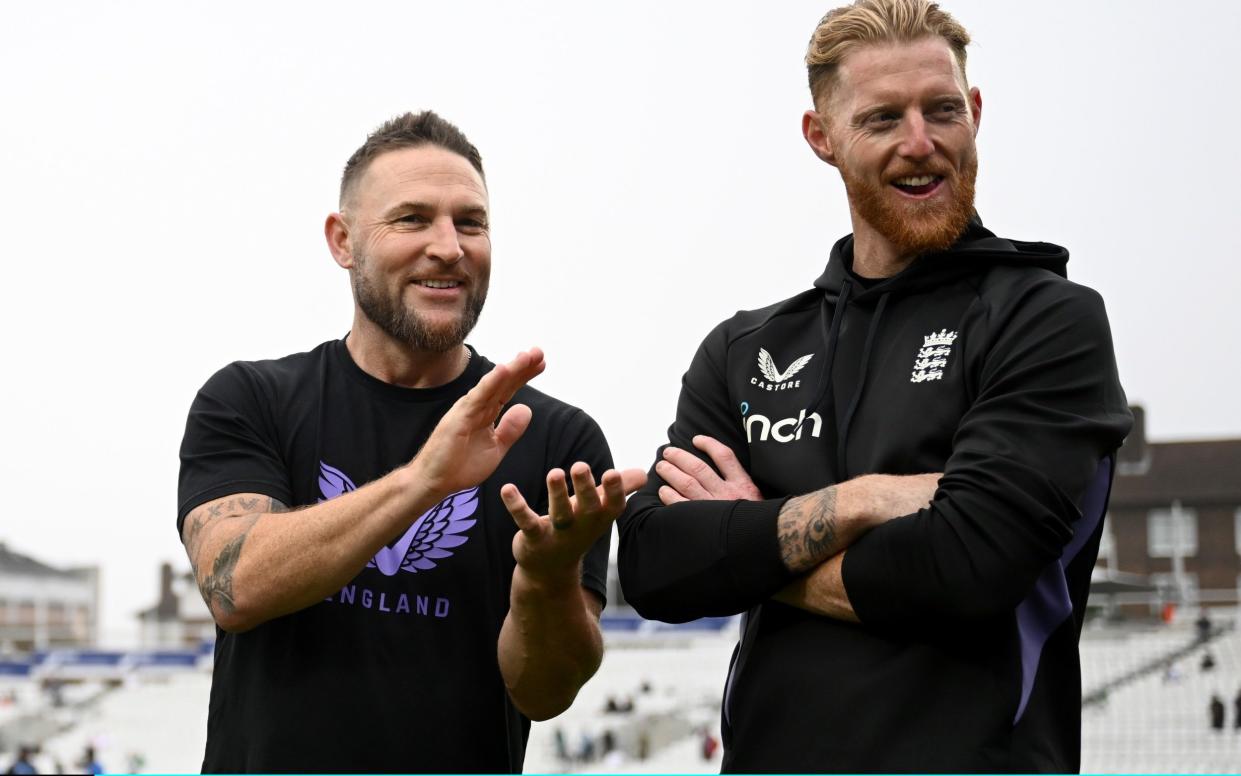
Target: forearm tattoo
(240, 513)
(806, 530)
(217, 588)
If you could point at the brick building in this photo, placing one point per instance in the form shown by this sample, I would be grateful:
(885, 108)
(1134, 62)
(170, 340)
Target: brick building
(179, 617)
(1174, 520)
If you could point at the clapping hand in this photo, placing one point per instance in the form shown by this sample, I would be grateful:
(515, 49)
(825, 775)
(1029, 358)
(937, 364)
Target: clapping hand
(473, 437)
(552, 545)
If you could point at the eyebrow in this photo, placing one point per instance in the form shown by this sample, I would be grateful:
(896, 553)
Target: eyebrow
(887, 102)
(415, 206)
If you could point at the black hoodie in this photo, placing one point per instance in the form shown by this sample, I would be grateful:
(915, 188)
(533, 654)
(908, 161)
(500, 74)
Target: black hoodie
(982, 361)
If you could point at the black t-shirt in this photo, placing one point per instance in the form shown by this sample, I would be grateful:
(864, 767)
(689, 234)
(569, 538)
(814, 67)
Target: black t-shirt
(397, 671)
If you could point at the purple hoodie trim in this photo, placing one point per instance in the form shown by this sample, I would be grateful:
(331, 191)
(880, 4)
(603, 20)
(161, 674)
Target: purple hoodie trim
(1048, 605)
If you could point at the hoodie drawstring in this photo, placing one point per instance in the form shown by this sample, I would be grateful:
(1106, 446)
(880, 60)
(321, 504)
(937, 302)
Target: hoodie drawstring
(842, 464)
(830, 336)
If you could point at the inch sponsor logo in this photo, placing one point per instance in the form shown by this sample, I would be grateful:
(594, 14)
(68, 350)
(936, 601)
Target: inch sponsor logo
(775, 380)
(784, 430)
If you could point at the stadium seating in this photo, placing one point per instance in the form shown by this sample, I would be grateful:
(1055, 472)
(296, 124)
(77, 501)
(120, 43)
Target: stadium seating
(1159, 722)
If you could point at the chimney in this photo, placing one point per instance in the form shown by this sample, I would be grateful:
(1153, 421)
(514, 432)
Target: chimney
(168, 607)
(1133, 456)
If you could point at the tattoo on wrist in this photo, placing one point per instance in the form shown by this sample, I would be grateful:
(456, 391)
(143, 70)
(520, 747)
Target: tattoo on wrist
(806, 530)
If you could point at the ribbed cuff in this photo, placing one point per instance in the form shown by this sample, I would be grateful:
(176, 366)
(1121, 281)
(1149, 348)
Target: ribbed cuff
(867, 590)
(754, 549)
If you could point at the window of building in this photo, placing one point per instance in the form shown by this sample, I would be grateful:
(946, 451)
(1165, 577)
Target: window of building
(1107, 545)
(1169, 533)
(1167, 587)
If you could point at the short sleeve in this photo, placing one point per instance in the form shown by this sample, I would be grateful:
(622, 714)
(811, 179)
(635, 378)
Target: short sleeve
(230, 444)
(583, 440)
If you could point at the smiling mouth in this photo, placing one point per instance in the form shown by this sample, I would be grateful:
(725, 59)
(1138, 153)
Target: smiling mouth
(438, 283)
(918, 185)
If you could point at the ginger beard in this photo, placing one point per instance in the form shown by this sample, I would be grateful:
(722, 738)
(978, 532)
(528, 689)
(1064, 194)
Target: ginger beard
(403, 323)
(916, 226)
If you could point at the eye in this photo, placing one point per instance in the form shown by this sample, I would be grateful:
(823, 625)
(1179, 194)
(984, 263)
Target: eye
(882, 119)
(413, 218)
(472, 225)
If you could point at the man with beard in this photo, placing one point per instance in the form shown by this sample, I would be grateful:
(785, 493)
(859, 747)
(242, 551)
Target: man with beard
(899, 475)
(347, 510)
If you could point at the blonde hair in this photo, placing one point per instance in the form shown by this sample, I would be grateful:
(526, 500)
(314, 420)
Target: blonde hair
(876, 21)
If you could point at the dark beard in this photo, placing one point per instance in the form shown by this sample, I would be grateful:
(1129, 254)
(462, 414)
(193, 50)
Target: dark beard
(406, 325)
(916, 227)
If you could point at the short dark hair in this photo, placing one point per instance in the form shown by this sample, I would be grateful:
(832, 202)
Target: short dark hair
(409, 130)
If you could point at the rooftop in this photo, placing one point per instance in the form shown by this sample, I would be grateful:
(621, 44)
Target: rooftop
(15, 564)
(1196, 473)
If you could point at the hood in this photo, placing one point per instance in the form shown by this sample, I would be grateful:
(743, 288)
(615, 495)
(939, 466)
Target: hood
(976, 248)
(974, 252)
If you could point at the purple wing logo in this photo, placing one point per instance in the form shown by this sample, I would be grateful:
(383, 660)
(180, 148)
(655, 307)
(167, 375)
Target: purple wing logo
(432, 537)
(333, 482)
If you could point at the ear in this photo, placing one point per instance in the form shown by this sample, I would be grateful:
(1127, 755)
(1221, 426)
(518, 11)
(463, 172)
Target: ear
(976, 108)
(336, 230)
(814, 129)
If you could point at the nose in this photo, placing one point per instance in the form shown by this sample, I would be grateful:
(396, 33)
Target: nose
(445, 245)
(916, 142)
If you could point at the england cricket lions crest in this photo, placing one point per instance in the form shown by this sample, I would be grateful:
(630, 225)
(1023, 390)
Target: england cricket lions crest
(933, 357)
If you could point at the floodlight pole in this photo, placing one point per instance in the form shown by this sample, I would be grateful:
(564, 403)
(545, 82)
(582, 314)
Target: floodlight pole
(1178, 551)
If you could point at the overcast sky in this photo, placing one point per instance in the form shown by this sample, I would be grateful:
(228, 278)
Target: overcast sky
(167, 168)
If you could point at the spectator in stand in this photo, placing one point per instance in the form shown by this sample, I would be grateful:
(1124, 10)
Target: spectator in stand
(135, 762)
(90, 762)
(1236, 711)
(1217, 712)
(586, 748)
(1203, 626)
(709, 744)
(23, 765)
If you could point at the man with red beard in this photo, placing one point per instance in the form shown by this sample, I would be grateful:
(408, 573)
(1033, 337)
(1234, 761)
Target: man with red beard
(900, 475)
(386, 599)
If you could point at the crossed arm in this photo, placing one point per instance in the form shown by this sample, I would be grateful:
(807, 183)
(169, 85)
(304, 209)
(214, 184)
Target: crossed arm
(254, 561)
(813, 530)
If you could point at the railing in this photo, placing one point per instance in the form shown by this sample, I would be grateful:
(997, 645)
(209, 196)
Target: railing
(75, 664)
(1159, 663)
